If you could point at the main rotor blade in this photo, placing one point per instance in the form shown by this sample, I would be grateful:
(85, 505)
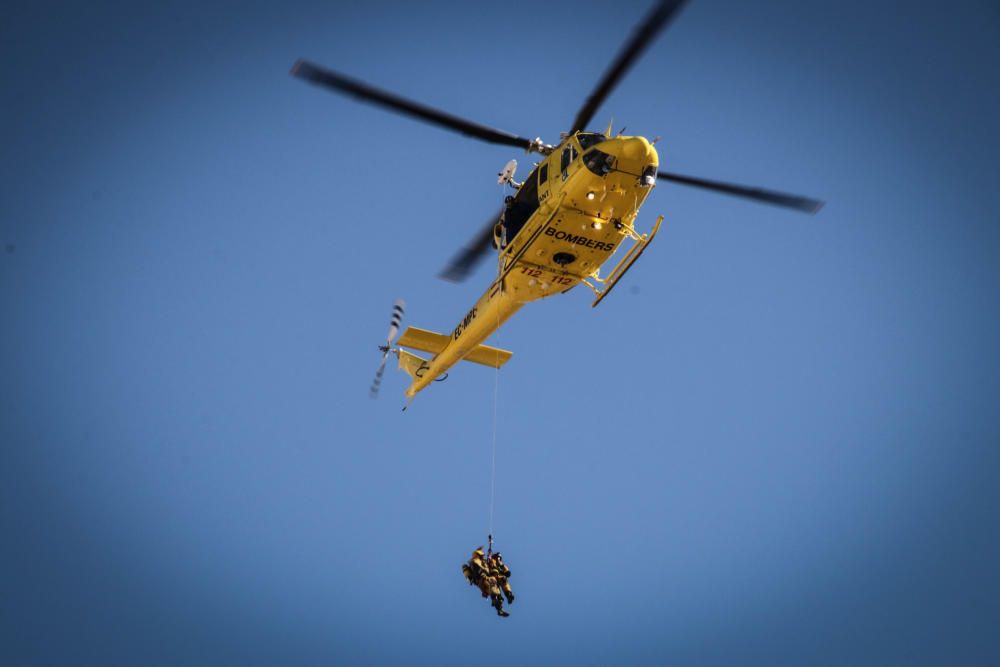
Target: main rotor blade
(471, 254)
(646, 32)
(804, 204)
(340, 83)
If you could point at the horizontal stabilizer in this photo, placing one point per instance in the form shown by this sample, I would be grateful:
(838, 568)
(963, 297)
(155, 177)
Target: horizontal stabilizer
(429, 341)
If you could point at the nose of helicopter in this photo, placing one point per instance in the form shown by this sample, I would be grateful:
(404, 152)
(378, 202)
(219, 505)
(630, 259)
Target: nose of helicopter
(638, 152)
(638, 149)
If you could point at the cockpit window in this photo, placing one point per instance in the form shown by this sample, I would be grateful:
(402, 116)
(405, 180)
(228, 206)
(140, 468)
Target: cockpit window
(598, 162)
(588, 139)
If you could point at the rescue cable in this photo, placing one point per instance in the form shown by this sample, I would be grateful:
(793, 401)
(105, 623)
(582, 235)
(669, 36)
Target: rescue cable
(493, 448)
(493, 451)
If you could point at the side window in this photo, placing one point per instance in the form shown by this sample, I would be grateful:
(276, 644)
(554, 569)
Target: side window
(568, 155)
(543, 174)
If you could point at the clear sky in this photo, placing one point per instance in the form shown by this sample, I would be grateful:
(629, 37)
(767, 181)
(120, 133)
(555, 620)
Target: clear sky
(774, 444)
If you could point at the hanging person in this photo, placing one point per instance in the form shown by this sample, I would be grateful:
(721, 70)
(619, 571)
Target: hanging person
(503, 574)
(493, 581)
(475, 571)
(489, 574)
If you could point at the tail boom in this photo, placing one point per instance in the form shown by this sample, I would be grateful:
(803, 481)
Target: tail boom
(465, 343)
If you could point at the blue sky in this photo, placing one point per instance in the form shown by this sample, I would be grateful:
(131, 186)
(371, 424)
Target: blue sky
(774, 444)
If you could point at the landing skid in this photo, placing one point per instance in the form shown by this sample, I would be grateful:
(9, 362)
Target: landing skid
(639, 245)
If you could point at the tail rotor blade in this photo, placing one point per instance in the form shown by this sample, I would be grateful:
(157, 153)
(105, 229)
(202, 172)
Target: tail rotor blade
(377, 382)
(397, 318)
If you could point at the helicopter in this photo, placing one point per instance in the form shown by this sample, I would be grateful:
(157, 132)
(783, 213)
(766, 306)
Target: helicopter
(575, 210)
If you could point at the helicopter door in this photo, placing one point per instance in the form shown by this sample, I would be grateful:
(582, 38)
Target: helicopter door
(568, 155)
(520, 209)
(543, 181)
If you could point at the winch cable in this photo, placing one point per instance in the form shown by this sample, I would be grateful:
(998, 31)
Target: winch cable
(493, 446)
(493, 451)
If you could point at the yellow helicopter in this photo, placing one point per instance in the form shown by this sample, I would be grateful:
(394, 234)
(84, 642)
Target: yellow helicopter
(570, 215)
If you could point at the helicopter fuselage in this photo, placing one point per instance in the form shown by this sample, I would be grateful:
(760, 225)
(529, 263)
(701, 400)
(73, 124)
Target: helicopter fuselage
(569, 216)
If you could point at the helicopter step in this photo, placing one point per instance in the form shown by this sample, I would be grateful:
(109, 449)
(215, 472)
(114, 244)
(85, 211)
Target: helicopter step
(429, 341)
(639, 245)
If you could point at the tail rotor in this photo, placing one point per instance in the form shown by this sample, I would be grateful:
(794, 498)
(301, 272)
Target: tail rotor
(397, 318)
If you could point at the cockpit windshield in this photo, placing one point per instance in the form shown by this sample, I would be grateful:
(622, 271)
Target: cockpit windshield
(588, 139)
(598, 162)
